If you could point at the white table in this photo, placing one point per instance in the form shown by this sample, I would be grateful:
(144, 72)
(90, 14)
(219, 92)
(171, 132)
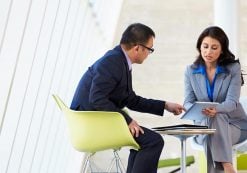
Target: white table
(183, 134)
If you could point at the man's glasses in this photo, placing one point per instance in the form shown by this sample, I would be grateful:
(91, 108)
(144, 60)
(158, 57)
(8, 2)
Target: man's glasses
(151, 50)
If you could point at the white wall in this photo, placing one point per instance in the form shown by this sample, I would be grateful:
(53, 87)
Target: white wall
(45, 45)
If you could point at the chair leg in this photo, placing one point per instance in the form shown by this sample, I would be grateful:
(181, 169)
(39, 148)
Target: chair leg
(85, 164)
(89, 165)
(117, 162)
(111, 165)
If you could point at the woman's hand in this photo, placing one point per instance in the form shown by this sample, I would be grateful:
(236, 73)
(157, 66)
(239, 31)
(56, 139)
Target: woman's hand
(210, 111)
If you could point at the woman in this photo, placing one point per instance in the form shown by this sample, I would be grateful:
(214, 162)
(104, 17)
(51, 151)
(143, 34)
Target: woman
(215, 76)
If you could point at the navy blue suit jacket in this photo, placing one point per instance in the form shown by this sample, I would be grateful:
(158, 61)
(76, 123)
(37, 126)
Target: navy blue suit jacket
(107, 86)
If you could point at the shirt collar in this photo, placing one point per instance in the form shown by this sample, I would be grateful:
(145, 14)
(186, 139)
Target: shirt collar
(202, 70)
(128, 59)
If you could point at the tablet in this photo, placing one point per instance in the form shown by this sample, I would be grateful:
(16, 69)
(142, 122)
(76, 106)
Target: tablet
(195, 111)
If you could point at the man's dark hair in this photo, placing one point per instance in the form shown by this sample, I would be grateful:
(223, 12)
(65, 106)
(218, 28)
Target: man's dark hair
(136, 33)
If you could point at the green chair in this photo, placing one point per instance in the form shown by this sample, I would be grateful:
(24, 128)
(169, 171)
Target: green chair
(241, 162)
(237, 150)
(175, 162)
(93, 131)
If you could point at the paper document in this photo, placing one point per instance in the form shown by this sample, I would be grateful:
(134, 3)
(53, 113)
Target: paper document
(195, 111)
(180, 127)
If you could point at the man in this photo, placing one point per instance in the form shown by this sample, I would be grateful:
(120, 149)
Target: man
(107, 86)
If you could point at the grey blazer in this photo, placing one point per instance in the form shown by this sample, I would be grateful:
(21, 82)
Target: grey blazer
(226, 92)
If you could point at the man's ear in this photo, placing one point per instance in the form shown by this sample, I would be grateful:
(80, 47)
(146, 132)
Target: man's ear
(136, 48)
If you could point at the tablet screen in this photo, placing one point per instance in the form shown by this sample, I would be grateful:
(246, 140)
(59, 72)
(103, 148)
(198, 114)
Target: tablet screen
(195, 111)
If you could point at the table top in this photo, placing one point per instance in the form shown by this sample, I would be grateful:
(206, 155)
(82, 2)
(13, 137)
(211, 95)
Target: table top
(188, 132)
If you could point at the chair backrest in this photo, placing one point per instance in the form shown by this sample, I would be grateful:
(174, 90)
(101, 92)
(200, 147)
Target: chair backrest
(92, 131)
(242, 147)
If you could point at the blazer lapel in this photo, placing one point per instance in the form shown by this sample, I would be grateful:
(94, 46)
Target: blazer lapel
(128, 72)
(202, 88)
(218, 85)
(129, 76)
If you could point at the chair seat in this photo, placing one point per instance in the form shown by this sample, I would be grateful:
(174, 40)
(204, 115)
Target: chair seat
(241, 162)
(240, 147)
(175, 162)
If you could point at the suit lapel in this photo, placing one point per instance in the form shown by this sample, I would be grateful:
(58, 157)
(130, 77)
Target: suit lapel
(128, 72)
(129, 76)
(201, 83)
(130, 80)
(218, 85)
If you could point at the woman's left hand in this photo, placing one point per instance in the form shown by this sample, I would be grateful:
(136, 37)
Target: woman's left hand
(210, 111)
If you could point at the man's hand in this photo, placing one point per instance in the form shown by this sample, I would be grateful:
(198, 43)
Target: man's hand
(174, 108)
(135, 129)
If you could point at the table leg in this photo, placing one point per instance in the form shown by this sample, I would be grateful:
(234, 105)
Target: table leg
(183, 155)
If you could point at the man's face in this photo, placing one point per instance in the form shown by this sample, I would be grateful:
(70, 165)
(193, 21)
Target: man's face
(143, 50)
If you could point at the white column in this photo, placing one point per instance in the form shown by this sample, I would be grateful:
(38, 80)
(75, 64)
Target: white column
(226, 16)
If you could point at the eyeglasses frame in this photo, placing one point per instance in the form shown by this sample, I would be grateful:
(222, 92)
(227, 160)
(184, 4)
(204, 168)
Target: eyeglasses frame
(151, 50)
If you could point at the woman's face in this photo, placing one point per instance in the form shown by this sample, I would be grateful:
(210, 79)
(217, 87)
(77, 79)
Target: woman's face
(210, 50)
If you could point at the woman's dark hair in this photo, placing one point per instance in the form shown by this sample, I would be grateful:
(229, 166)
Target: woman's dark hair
(226, 57)
(136, 33)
